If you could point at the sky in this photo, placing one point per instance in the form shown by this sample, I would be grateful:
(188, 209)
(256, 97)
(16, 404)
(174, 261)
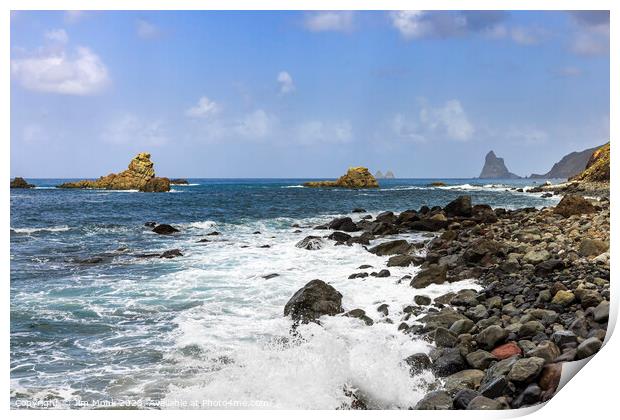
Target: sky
(293, 94)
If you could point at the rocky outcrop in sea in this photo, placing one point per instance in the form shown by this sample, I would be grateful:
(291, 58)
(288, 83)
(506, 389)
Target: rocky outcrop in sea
(388, 175)
(495, 168)
(19, 182)
(139, 175)
(357, 177)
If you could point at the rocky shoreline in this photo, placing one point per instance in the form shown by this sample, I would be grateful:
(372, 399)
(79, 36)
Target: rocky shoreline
(544, 297)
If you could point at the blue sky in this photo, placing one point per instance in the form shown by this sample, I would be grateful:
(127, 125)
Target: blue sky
(305, 94)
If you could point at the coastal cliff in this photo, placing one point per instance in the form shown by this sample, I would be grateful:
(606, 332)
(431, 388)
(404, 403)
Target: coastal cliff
(597, 168)
(139, 175)
(358, 177)
(570, 165)
(495, 168)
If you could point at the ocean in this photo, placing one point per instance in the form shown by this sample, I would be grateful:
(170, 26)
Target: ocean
(93, 320)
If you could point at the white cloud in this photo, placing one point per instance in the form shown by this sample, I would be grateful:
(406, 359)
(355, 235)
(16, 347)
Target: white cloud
(411, 24)
(524, 135)
(58, 71)
(203, 109)
(447, 121)
(590, 43)
(339, 21)
(74, 16)
(527, 36)
(134, 130)
(255, 125)
(57, 36)
(313, 132)
(147, 30)
(286, 82)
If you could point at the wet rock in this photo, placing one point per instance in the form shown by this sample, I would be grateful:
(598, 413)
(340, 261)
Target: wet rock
(491, 336)
(270, 276)
(404, 260)
(165, 229)
(383, 273)
(434, 274)
(444, 318)
(344, 223)
(360, 314)
(311, 243)
(339, 237)
(480, 359)
(358, 210)
(449, 362)
(358, 275)
(463, 398)
(364, 266)
(496, 387)
(484, 403)
(399, 246)
(422, 300)
(529, 396)
(526, 370)
(444, 338)
(214, 233)
(171, 253)
(465, 297)
(572, 204)
(418, 362)
(465, 379)
(459, 207)
(315, 299)
(383, 308)
(462, 326)
(589, 347)
(150, 224)
(436, 400)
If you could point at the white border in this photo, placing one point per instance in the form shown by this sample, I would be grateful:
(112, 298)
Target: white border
(592, 394)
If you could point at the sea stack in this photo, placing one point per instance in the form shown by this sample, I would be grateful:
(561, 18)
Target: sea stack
(139, 175)
(358, 177)
(495, 168)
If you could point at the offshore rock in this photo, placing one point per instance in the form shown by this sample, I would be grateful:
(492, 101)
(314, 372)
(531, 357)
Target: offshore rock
(139, 175)
(315, 299)
(358, 177)
(20, 183)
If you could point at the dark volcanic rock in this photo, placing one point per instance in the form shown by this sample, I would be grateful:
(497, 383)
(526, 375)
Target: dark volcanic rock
(434, 274)
(339, 237)
(164, 229)
(399, 246)
(449, 361)
(404, 260)
(418, 362)
(436, 400)
(344, 223)
(171, 253)
(459, 207)
(315, 299)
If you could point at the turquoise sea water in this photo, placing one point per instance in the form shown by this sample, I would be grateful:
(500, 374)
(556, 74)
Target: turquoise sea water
(207, 326)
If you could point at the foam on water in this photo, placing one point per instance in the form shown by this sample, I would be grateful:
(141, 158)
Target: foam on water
(41, 229)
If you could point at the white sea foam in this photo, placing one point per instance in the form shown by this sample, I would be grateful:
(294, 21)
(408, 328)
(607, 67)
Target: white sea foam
(293, 186)
(41, 229)
(241, 320)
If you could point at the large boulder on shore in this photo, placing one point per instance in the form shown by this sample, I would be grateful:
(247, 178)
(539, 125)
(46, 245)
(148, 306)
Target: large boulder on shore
(20, 183)
(399, 246)
(139, 175)
(315, 299)
(459, 207)
(358, 177)
(572, 204)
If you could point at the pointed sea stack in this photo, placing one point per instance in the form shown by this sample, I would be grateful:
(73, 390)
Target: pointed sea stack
(358, 177)
(139, 175)
(495, 168)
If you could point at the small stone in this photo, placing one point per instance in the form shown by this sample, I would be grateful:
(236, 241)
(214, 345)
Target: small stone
(530, 329)
(418, 362)
(526, 370)
(491, 336)
(463, 398)
(450, 361)
(480, 359)
(383, 273)
(588, 347)
(529, 396)
(462, 326)
(546, 350)
(383, 308)
(484, 403)
(536, 256)
(436, 400)
(601, 312)
(506, 350)
(422, 300)
(563, 338)
(465, 379)
(494, 388)
(444, 338)
(563, 297)
(592, 247)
